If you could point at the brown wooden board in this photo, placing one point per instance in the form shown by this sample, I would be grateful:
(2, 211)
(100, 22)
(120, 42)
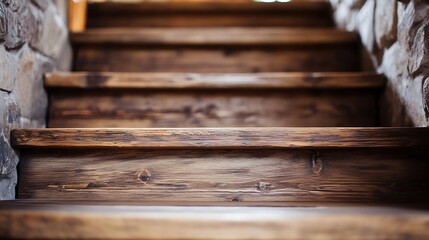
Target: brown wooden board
(213, 108)
(219, 50)
(183, 81)
(233, 36)
(222, 138)
(52, 221)
(213, 14)
(368, 175)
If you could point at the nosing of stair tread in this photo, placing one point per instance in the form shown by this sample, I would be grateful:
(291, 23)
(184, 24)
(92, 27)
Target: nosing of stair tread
(225, 138)
(117, 222)
(94, 80)
(234, 36)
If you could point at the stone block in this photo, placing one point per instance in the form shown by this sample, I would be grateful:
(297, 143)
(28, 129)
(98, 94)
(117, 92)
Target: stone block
(29, 24)
(7, 185)
(29, 89)
(366, 25)
(418, 62)
(54, 34)
(9, 120)
(8, 63)
(11, 38)
(386, 21)
(42, 4)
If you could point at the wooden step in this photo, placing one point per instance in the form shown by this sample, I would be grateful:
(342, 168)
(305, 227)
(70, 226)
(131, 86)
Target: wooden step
(213, 100)
(337, 165)
(50, 220)
(222, 50)
(213, 14)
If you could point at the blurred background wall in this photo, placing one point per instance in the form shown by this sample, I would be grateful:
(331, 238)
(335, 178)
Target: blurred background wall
(395, 35)
(33, 40)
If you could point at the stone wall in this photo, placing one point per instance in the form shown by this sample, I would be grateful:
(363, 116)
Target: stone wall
(396, 36)
(33, 40)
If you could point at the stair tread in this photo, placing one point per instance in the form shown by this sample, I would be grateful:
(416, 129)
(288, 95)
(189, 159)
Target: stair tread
(229, 138)
(112, 80)
(51, 220)
(208, 7)
(236, 36)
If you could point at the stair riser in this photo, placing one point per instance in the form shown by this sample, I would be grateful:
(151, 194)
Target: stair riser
(210, 20)
(214, 14)
(221, 108)
(216, 59)
(318, 175)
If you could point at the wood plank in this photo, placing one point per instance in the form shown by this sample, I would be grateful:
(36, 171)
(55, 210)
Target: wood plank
(122, 222)
(227, 138)
(216, 59)
(213, 108)
(297, 80)
(210, 14)
(215, 36)
(218, 175)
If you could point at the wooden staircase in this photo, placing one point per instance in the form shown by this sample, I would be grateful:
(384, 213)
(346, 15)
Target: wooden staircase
(217, 121)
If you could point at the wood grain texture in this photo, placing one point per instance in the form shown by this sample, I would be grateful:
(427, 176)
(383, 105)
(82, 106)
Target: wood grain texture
(212, 108)
(296, 80)
(225, 138)
(213, 14)
(262, 175)
(215, 36)
(220, 223)
(216, 59)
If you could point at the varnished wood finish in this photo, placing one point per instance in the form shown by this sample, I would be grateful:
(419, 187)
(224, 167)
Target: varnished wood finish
(216, 50)
(33, 221)
(262, 175)
(295, 80)
(227, 138)
(213, 14)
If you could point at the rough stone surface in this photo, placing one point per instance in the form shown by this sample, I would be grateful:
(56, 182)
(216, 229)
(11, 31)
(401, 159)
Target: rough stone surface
(396, 36)
(33, 41)
(385, 21)
(8, 62)
(366, 25)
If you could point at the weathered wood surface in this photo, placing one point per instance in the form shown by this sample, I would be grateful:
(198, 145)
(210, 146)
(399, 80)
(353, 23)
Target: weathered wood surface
(216, 50)
(126, 58)
(213, 108)
(292, 80)
(32, 221)
(259, 175)
(84, 222)
(229, 138)
(213, 14)
(215, 36)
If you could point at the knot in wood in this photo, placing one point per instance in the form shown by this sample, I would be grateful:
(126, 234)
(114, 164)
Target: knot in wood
(316, 164)
(263, 186)
(144, 176)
